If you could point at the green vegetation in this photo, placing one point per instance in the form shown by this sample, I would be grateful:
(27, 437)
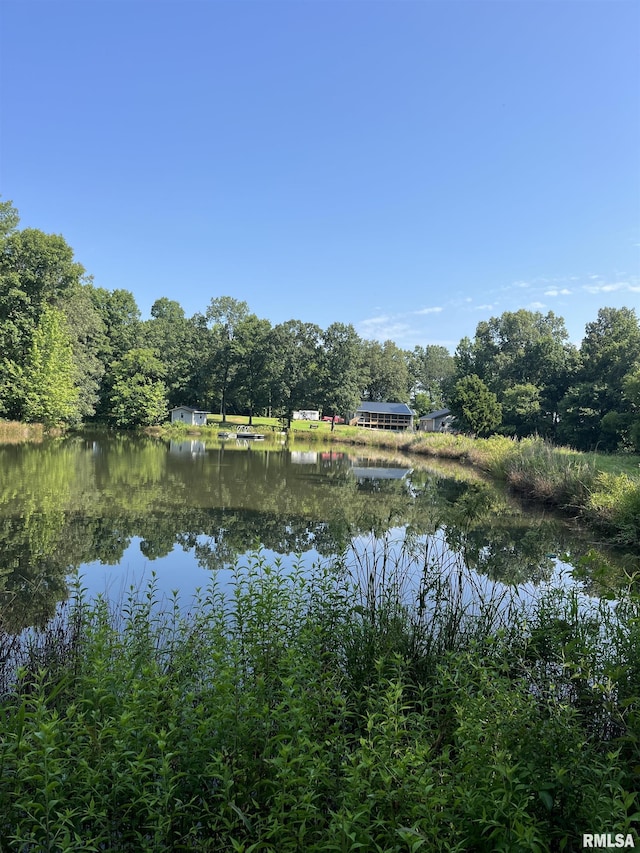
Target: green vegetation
(321, 712)
(585, 398)
(312, 712)
(138, 392)
(50, 394)
(601, 490)
(71, 352)
(477, 408)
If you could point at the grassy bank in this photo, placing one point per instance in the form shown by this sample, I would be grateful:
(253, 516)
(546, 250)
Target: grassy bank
(602, 490)
(300, 713)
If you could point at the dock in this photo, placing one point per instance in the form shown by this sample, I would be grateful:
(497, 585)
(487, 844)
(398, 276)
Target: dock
(242, 433)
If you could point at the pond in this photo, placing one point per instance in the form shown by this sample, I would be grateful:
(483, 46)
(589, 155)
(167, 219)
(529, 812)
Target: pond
(117, 508)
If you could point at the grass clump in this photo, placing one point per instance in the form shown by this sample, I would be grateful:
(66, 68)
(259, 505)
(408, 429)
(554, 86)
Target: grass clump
(325, 711)
(553, 475)
(15, 432)
(614, 504)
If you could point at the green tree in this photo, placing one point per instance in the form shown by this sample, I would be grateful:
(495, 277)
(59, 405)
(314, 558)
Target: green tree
(506, 351)
(517, 349)
(37, 271)
(595, 411)
(43, 264)
(475, 407)
(386, 372)
(520, 409)
(422, 404)
(225, 313)
(181, 346)
(631, 389)
(9, 219)
(50, 394)
(580, 417)
(121, 317)
(138, 394)
(256, 364)
(295, 376)
(87, 333)
(610, 345)
(430, 368)
(342, 369)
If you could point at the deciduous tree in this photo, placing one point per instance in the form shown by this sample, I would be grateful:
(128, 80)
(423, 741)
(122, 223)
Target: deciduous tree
(225, 313)
(517, 349)
(50, 393)
(37, 271)
(342, 367)
(256, 364)
(138, 394)
(430, 368)
(296, 376)
(595, 411)
(182, 347)
(386, 372)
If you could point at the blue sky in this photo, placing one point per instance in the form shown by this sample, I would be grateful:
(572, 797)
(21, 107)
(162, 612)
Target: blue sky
(411, 168)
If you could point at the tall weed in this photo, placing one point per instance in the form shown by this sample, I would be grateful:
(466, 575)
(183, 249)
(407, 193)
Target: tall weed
(371, 706)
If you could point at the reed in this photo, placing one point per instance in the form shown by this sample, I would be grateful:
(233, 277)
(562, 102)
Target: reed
(14, 432)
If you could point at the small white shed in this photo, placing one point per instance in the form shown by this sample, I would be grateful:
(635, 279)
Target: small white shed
(187, 415)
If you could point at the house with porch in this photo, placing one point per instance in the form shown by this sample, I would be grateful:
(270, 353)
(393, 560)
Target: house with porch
(397, 416)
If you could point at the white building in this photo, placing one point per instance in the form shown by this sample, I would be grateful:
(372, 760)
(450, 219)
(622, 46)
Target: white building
(187, 415)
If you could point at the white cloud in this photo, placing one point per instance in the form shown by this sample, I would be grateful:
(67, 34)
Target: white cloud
(607, 288)
(555, 292)
(484, 307)
(435, 310)
(374, 322)
(536, 306)
(383, 328)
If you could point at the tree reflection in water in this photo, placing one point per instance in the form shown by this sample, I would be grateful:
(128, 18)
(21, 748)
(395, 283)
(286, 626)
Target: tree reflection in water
(84, 500)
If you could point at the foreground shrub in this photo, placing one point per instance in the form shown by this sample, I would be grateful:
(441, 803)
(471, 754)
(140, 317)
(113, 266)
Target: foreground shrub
(300, 712)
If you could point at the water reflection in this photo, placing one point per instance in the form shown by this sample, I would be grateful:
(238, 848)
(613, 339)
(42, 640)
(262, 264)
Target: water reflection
(184, 507)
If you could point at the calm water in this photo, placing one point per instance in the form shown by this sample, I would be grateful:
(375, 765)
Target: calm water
(118, 508)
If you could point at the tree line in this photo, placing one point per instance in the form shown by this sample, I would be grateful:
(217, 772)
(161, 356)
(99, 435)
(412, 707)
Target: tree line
(72, 352)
